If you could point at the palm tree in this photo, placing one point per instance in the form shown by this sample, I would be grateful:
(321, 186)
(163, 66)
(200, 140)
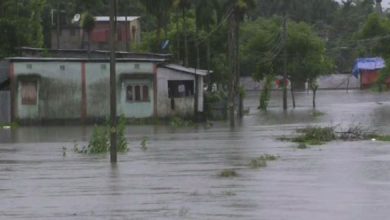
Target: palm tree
(88, 24)
(184, 5)
(236, 10)
(159, 9)
(206, 12)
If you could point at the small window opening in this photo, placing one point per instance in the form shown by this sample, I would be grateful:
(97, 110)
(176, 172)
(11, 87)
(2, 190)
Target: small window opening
(29, 92)
(180, 88)
(129, 93)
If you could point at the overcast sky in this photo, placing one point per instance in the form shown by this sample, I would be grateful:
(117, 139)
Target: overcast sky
(385, 3)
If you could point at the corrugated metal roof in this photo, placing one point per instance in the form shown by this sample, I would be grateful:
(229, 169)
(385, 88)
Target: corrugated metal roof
(180, 68)
(54, 59)
(118, 18)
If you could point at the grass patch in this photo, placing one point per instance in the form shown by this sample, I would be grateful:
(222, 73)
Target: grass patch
(257, 163)
(317, 113)
(177, 122)
(261, 161)
(315, 135)
(382, 137)
(12, 125)
(321, 135)
(228, 173)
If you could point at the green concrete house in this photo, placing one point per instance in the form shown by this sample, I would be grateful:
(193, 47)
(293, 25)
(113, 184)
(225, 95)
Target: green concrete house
(77, 89)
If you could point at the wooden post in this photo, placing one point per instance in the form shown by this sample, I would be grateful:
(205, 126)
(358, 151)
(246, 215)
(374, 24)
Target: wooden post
(113, 126)
(285, 62)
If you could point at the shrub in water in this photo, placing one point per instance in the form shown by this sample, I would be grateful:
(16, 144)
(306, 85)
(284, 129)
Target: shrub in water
(228, 173)
(315, 135)
(99, 142)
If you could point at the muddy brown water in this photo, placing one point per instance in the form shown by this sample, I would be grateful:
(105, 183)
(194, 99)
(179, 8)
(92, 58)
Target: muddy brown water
(176, 177)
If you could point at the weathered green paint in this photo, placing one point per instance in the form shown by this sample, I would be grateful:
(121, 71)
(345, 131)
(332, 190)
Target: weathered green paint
(98, 86)
(59, 91)
(136, 109)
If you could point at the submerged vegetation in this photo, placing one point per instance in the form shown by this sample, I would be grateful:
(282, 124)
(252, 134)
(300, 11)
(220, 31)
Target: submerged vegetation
(228, 173)
(99, 142)
(261, 161)
(320, 135)
(315, 135)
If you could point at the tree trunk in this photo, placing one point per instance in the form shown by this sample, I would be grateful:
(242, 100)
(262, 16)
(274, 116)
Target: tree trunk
(185, 38)
(232, 48)
(314, 97)
(89, 45)
(285, 62)
(177, 37)
(292, 93)
(158, 32)
(58, 26)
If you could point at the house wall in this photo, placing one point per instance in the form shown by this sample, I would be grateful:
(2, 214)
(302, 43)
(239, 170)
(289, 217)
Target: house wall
(98, 90)
(59, 90)
(5, 110)
(74, 90)
(75, 38)
(184, 106)
(70, 38)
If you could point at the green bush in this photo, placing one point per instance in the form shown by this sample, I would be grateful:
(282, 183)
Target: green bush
(228, 173)
(99, 142)
(315, 135)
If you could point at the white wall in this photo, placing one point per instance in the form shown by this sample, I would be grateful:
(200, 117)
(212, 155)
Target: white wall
(184, 105)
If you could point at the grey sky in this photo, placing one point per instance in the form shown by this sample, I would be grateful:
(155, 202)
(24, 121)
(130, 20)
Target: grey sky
(385, 3)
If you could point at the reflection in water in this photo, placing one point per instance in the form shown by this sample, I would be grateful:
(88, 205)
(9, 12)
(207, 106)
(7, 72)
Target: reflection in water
(176, 177)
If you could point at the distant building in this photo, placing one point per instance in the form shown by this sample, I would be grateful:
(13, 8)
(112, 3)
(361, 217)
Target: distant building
(74, 90)
(368, 71)
(72, 36)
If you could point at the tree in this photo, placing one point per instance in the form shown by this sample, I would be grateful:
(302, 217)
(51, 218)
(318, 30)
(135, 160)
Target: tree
(236, 9)
(206, 17)
(373, 36)
(160, 10)
(88, 24)
(184, 5)
(262, 47)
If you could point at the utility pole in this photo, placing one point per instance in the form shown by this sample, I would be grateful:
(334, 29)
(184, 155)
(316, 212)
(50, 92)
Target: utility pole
(58, 25)
(113, 126)
(285, 35)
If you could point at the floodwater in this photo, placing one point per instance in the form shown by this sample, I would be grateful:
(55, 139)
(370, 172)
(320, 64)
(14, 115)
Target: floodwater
(177, 176)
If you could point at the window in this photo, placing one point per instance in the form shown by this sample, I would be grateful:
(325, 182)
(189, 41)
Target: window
(29, 66)
(180, 88)
(129, 94)
(145, 93)
(29, 93)
(137, 93)
(62, 67)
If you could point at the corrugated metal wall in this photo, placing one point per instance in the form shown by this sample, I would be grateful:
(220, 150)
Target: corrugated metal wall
(5, 103)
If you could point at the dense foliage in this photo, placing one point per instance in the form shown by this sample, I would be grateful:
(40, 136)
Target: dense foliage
(197, 31)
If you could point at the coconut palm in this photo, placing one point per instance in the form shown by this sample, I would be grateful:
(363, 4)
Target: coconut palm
(183, 6)
(160, 10)
(206, 12)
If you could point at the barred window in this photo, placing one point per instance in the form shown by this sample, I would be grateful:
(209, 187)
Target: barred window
(29, 92)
